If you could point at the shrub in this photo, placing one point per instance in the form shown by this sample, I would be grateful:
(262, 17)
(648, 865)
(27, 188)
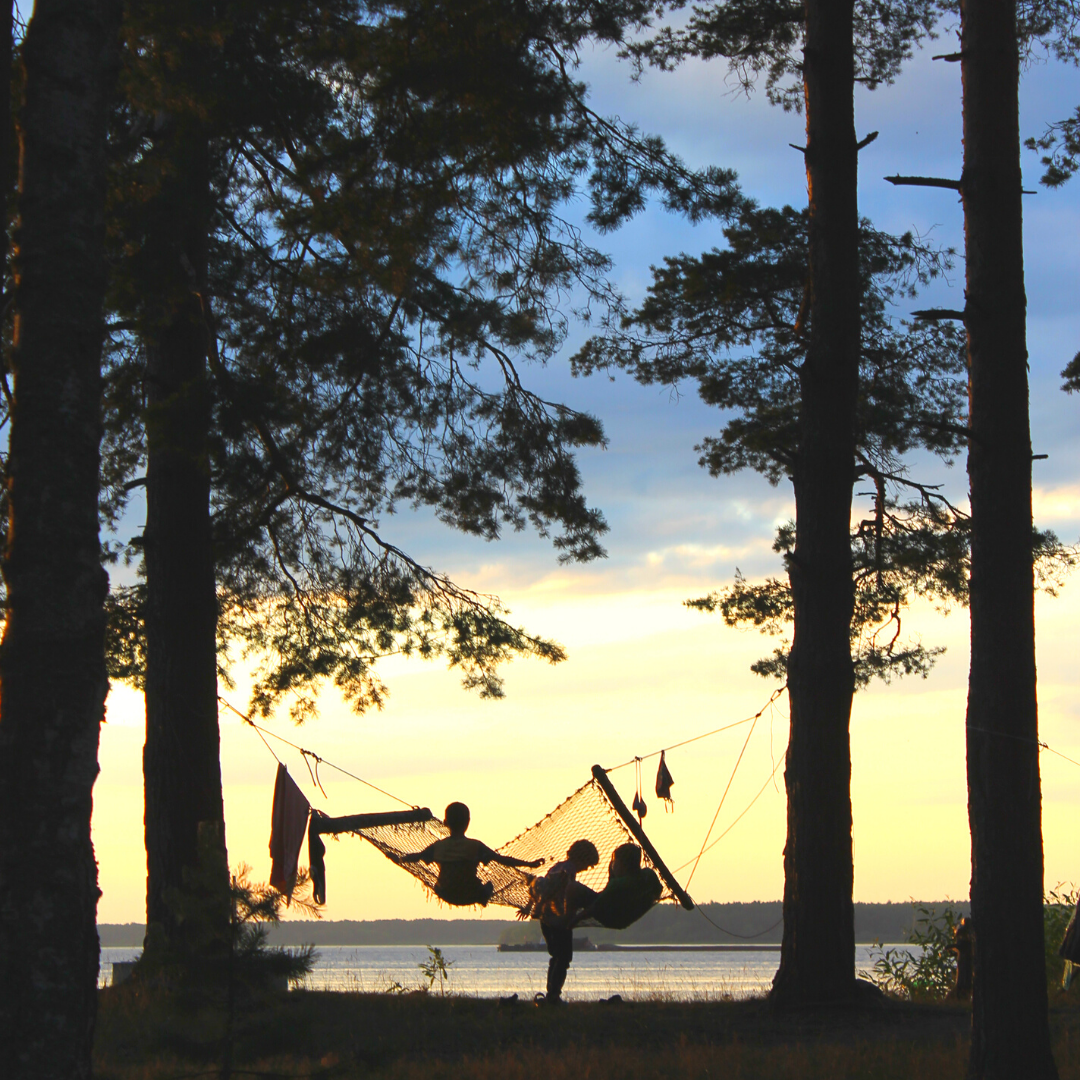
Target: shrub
(930, 974)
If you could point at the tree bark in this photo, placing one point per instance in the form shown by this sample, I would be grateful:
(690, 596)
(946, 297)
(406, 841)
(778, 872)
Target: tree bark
(1010, 1031)
(817, 960)
(52, 664)
(7, 125)
(181, 758)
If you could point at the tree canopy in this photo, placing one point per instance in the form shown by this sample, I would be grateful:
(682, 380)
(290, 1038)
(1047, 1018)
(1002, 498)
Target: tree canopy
(733, 320)
(388, 248)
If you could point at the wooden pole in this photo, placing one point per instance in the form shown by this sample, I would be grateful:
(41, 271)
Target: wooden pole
(355, 822)
(601, 777)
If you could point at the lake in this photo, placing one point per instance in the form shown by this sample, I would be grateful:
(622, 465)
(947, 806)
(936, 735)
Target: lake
(483, 971)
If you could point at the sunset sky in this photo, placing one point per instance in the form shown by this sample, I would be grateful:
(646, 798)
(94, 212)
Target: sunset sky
(644, 671)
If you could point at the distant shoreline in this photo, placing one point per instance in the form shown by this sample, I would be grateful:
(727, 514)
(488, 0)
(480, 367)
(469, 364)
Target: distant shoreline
(757, 924)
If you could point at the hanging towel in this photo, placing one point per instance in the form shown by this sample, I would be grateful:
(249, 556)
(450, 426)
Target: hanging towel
(316, 850)
(664, 781)
(287, 828)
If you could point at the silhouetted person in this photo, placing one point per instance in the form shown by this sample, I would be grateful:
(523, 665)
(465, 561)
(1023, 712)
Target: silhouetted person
(1069, 950)
(631, 890)
(458, 857)
(557, 897)
(964, 947)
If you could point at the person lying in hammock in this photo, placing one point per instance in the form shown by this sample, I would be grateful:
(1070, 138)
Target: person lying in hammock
(631, 891)
(458, 858)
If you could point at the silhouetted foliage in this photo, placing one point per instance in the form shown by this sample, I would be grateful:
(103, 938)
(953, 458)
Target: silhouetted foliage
(387, 249)
(733, 320)
(768, 38)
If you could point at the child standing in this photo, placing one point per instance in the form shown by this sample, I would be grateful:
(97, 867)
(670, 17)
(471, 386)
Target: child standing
(557, 898)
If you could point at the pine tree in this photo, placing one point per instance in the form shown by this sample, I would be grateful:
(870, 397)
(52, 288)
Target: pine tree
(732, 320)
(812, 55)
(353, 283)
(1010, 1028)
(52, 671)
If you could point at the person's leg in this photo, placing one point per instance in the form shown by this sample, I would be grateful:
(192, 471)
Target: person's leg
(579, 896)
(560, 945)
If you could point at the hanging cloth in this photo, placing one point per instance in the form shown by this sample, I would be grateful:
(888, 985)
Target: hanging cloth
(664, 780)
(638, 805)
(288, 826)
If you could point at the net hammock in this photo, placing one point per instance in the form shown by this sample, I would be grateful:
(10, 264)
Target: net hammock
(594, 812)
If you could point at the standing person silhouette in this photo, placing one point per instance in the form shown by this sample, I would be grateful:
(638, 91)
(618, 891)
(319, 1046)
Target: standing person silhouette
(557, 898)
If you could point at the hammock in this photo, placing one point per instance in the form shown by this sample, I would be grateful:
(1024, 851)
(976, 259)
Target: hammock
(594, 812)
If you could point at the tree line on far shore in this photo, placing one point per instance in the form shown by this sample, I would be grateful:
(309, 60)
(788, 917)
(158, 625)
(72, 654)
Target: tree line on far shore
(665, 924)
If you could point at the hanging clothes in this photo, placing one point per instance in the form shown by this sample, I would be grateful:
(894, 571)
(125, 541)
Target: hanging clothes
(288, 827)
(638, 805)
(664, 780)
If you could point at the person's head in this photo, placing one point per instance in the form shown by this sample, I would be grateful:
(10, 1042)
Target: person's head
(457, 817)
(625, 860)
(583, 854)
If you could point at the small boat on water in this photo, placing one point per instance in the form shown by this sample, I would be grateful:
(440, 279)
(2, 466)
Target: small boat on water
(581, 944)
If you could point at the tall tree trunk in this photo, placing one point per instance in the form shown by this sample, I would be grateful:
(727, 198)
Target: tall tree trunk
(7, 126)
(1010, 1032)
(181, 758)
(817, 960)
(52, 664)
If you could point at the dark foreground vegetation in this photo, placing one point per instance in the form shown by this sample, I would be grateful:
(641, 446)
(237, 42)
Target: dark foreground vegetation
(310, 1034)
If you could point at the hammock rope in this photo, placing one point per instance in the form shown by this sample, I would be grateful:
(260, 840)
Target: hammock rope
(732, 933)
(599, 814)
(731, 779)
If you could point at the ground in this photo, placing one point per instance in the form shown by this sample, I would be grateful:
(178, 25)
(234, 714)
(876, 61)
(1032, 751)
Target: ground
(141, 1036)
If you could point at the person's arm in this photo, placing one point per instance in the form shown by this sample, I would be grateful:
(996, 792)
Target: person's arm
(420, 856)
(487, 856)
(509, 860)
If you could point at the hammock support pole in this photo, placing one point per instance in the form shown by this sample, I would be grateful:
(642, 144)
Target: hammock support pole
(601, 777)
(322, 824)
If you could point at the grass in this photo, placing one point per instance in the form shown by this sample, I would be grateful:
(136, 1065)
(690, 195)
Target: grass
(142, 1036)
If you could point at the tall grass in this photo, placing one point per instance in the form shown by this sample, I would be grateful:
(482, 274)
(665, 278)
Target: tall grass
(890, 1060)
(143, 1036)
(731, 1061)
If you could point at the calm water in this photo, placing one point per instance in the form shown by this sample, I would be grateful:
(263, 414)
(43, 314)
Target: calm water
(483, 971)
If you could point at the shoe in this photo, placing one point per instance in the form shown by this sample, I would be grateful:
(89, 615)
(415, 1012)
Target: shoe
(543, 1000)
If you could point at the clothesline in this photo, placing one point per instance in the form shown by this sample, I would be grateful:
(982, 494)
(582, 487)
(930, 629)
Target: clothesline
(716, 731)
(706, 845)
(1024, 738)
(310, 754)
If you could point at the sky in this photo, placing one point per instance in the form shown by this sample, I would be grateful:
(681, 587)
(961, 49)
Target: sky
(644, 671)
